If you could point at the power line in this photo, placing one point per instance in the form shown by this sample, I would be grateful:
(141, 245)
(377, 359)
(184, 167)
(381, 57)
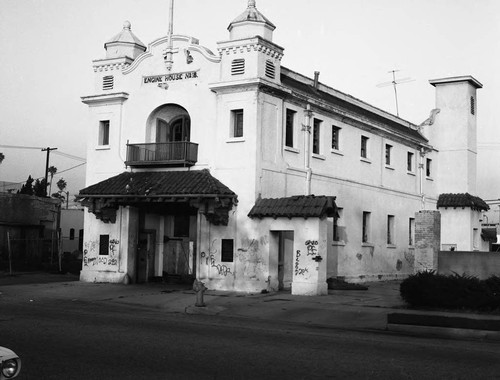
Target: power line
(67, 155)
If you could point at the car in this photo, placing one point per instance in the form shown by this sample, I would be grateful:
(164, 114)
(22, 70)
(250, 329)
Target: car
(10, 364)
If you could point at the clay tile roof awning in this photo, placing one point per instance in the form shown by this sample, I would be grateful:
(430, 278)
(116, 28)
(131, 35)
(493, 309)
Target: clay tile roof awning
(189, 184)
(462, 200)
(303, 206)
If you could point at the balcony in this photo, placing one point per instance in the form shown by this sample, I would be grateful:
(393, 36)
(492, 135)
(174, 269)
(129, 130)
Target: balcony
(173, 154)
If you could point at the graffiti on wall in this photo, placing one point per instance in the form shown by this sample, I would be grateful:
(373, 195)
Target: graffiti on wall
(299, 271)
(312, 247)
(91, 255)
(209, 257)
(251, 257)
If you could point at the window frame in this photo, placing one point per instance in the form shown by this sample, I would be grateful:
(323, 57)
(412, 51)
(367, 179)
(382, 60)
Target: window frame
(290, 117)
(388, 154)
(336, 137)
(410, 162)
(316, 136)
(411, 232)
(103, 135)
(364, 147)
(390, 230)
(237, 123)
(103, 245)
(225, 250)
(428, 167)
(366, 230)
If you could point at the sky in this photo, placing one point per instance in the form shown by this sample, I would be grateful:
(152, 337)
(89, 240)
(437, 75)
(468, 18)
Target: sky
(47, 48)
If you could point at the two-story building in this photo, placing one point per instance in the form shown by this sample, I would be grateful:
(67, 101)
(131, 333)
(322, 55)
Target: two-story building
(232, 168)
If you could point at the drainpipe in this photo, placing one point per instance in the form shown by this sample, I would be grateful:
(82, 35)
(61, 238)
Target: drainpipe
(306, 127)
(421, 169)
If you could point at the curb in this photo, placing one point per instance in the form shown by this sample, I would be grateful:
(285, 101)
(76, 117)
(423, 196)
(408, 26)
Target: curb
(445, 325)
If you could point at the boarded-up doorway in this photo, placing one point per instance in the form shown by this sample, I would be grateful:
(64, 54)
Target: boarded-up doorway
(285, 259)
(145, 255)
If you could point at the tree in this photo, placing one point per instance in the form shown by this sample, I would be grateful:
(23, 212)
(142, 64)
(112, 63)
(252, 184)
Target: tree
(27, 188)
(40, 188)
(61, 185)
(52, 170)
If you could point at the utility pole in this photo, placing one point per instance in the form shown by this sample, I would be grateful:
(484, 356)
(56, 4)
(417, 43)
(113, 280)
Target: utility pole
(47, 166)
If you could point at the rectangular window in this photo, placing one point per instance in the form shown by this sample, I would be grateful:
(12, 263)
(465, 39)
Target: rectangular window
(388, 151)
(366, 226)
(237, 123)
(364, 146)
(104, 245)
(316, 134)
(71, 234)
(428, 167)
(336, 225)
(335, 137)
(390, 229)
(227, 250)
(103, 132)
(411, 232)
(181, 225)
(289, 127)
(409, 162)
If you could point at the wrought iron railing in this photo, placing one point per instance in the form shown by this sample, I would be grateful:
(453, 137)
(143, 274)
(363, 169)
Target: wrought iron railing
(179, 153)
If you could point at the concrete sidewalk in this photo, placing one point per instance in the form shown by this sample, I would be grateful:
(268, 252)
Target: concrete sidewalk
(341, 309)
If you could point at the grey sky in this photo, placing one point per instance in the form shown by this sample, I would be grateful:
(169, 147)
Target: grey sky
(47, 48)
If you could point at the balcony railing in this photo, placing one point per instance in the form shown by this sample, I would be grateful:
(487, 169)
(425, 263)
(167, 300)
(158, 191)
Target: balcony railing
(179, 153)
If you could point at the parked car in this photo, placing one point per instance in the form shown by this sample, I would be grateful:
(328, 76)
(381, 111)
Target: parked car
(10, 364)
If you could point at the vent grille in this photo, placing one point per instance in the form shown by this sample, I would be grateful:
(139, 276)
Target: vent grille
(270, 70)
(108, 82)
(238, 67)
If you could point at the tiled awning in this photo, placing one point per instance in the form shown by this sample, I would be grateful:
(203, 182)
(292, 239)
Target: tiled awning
(462, 200)
(299, 206)
(198, 188)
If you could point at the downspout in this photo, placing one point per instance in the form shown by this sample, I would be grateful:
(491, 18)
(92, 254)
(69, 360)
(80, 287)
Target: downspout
(306, 127)
(421, 169)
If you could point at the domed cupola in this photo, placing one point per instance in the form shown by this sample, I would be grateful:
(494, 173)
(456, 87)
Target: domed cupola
(251, 23)
(124, 44)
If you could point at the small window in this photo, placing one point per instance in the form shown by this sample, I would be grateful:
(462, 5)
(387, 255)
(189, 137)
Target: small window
(238, 66)
(409, 162)
(390, 229)
(289, 127)
(103, 244)
(103, 132)
(335, 137)
(108, 82)
(472, 105)
(71, 234)
(237, 123)
(364, 146)
(411, 232)
(428, 167)
(316, 135)
(270, 70)
(181, 225)
(227, 250)
(388, 151)
(366, 226)
(337, 235)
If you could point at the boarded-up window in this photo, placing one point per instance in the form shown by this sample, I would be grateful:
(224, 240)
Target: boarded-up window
(104, 245)
(227, 250)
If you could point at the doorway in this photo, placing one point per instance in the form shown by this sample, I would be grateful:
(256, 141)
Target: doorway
(285, 259)
(146, 256)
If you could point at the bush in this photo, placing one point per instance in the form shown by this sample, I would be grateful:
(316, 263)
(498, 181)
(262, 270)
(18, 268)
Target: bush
(428, 289)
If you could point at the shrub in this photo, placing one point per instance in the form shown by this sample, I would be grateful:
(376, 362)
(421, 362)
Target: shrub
(428, 289)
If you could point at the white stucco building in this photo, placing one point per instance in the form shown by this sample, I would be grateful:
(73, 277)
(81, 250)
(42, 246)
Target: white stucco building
(232, 168)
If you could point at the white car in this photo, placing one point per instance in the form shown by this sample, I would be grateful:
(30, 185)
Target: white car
(10, 364)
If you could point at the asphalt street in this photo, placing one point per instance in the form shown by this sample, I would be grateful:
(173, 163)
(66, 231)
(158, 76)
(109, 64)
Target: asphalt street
(81, 339)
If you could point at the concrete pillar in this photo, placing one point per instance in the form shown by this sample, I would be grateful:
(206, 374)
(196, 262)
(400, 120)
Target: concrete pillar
(427, 240)
(310, 259)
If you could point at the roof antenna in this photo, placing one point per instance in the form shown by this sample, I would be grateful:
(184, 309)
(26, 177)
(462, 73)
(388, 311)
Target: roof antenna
(394, 83)
(169, 50)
